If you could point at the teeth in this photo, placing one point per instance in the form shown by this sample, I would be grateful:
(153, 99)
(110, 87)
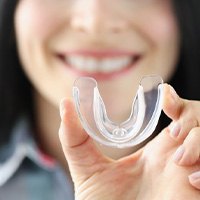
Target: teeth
(89, 64)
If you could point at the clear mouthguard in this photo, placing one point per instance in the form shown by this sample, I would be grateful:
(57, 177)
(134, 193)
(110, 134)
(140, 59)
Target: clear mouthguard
(144, 116)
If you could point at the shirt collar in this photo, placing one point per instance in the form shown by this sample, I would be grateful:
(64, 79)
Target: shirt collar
(21, 145)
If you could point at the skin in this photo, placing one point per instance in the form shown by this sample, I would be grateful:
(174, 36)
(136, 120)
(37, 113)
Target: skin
(150, 173)
(46, 28)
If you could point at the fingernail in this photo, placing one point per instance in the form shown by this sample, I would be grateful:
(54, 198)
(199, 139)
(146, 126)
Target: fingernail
(178, 154)
(62, 108)
(194, 176)
(175, 129)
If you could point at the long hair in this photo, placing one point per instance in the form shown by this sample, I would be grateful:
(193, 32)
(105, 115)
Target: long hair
(186, 79)
(15, 89)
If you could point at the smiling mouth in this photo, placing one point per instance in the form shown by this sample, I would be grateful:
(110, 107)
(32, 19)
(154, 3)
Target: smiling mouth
(99, 66)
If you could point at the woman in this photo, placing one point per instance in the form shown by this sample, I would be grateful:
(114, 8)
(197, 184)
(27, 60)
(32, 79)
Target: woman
(46, 45)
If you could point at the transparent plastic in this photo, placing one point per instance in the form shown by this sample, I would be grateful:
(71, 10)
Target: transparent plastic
(145, 113)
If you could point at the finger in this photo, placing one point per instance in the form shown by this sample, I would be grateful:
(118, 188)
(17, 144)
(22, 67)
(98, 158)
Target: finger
(180, 129)
(194, 180)
(189, 152)
(172, 103)
(181, 112)
(83, 157)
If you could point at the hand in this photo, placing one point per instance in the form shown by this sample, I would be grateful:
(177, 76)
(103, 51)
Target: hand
(150, 173)
(185, 129)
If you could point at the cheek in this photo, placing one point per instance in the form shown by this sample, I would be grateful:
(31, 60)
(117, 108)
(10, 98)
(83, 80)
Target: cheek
(162, 30)
(36, 19)
(158, 23)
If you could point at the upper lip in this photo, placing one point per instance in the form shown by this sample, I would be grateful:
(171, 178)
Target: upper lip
(99, 53)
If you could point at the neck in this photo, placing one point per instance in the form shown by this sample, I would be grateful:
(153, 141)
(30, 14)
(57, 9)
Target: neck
(47, 125)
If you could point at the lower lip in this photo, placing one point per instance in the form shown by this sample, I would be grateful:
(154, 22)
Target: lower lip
(99, 75)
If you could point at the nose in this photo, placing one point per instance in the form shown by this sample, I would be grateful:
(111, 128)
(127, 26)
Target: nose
(97, 16)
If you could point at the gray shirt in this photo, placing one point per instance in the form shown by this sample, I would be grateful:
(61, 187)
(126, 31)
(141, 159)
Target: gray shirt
(28, 174)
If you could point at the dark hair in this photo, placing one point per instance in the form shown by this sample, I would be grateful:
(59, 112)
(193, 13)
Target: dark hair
(15, 89)
(186, 79)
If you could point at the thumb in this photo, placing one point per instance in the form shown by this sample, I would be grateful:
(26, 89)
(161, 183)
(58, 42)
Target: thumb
(83, 157)
(172, 103)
